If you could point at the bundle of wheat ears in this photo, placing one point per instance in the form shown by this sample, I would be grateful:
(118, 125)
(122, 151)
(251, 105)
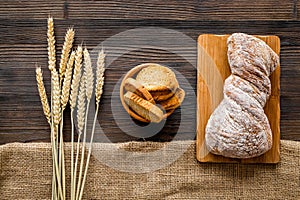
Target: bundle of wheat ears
(74, 84)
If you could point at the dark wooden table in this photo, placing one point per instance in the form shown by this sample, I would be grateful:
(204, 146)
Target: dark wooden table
(23, 44)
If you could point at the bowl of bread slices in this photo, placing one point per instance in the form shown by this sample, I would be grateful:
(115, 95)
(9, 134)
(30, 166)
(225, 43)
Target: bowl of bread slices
(150, 92)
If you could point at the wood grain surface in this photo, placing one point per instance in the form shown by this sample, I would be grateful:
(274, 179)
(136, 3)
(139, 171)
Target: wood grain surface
(213, 69)
(23, 44)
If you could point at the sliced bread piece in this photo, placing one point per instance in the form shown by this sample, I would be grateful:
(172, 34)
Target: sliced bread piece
(175, 101)
(157, 78)
(143, 107)
(136, 87)
(162, 95)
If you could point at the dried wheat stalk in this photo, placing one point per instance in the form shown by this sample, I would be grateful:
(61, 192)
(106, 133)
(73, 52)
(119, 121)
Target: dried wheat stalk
(89, 84)
(67, 81)
(51, 45)
(73, 98)
(100, 75)
(56, 98)
(43, 95)
(76, 77)
(80, 122)
(69, 38)
(88, 71)
(99, 86)
(81, 104)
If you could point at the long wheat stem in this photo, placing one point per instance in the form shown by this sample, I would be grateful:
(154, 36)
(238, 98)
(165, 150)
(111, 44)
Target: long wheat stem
(81, 121)
(89, 84)
(72, 153)
(73, 98)
(89, 154)
(61, 156)
(58, 178)
(98, 92)
(82, 151)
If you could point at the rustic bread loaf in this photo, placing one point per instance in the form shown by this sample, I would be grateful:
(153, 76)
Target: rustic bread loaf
(143, 107)
(157, 78)
(136, 87)
(238, 127)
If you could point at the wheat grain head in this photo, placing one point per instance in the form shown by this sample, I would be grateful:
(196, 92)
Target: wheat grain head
(42, 93)
(81, 104)
(67, 81)
(88, 71)
(55, 97)
(51, 45)
(69, 38)
(76, 77)
(100, 75)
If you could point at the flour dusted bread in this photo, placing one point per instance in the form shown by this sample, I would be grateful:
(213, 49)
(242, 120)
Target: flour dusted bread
(239, 128)
(157, 78)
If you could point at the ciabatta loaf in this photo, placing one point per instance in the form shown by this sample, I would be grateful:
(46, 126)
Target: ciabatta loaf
(239, 128)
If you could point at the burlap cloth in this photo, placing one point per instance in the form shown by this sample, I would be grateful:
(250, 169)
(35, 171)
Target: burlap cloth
(26, 171)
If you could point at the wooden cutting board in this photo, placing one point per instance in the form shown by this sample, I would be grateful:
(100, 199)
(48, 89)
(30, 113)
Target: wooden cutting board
(213, 69)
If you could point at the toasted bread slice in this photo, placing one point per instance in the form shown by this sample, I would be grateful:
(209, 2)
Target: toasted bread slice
(162, 95)
(175, 101)
(136, 87)
(143, 107)
(157, 78)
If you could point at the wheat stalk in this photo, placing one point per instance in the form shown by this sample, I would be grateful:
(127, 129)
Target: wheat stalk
(80, 121)
(56, 98)
(76, 77)
(89, 84)
(100, 75)
(69, 38)
(51, 45)
(99, 86)
(73, 98)
(42, 93)
(88, 71)
(81, 104)
(67, 82)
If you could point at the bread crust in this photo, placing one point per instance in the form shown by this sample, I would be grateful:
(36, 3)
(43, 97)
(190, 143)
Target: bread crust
(136, 87)
(239, 128)
(157, 78)
(175, 101)
(143, 107)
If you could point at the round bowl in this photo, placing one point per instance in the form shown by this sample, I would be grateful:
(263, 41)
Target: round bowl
(132, 74)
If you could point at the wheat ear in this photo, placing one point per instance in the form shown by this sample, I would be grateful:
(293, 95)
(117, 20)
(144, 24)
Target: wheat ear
(89, 84)
(43, 95)
(99, 86)
(73, 98)
(69, 38)
(100, 75)
(76, 77)
(51, 45)
(80, 122)
(88, 71)
(56, 97)
(67, 82)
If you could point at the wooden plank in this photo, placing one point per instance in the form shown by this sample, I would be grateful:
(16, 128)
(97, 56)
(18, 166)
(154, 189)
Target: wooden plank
(213, 69)
(155, 9)
(23, 44)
